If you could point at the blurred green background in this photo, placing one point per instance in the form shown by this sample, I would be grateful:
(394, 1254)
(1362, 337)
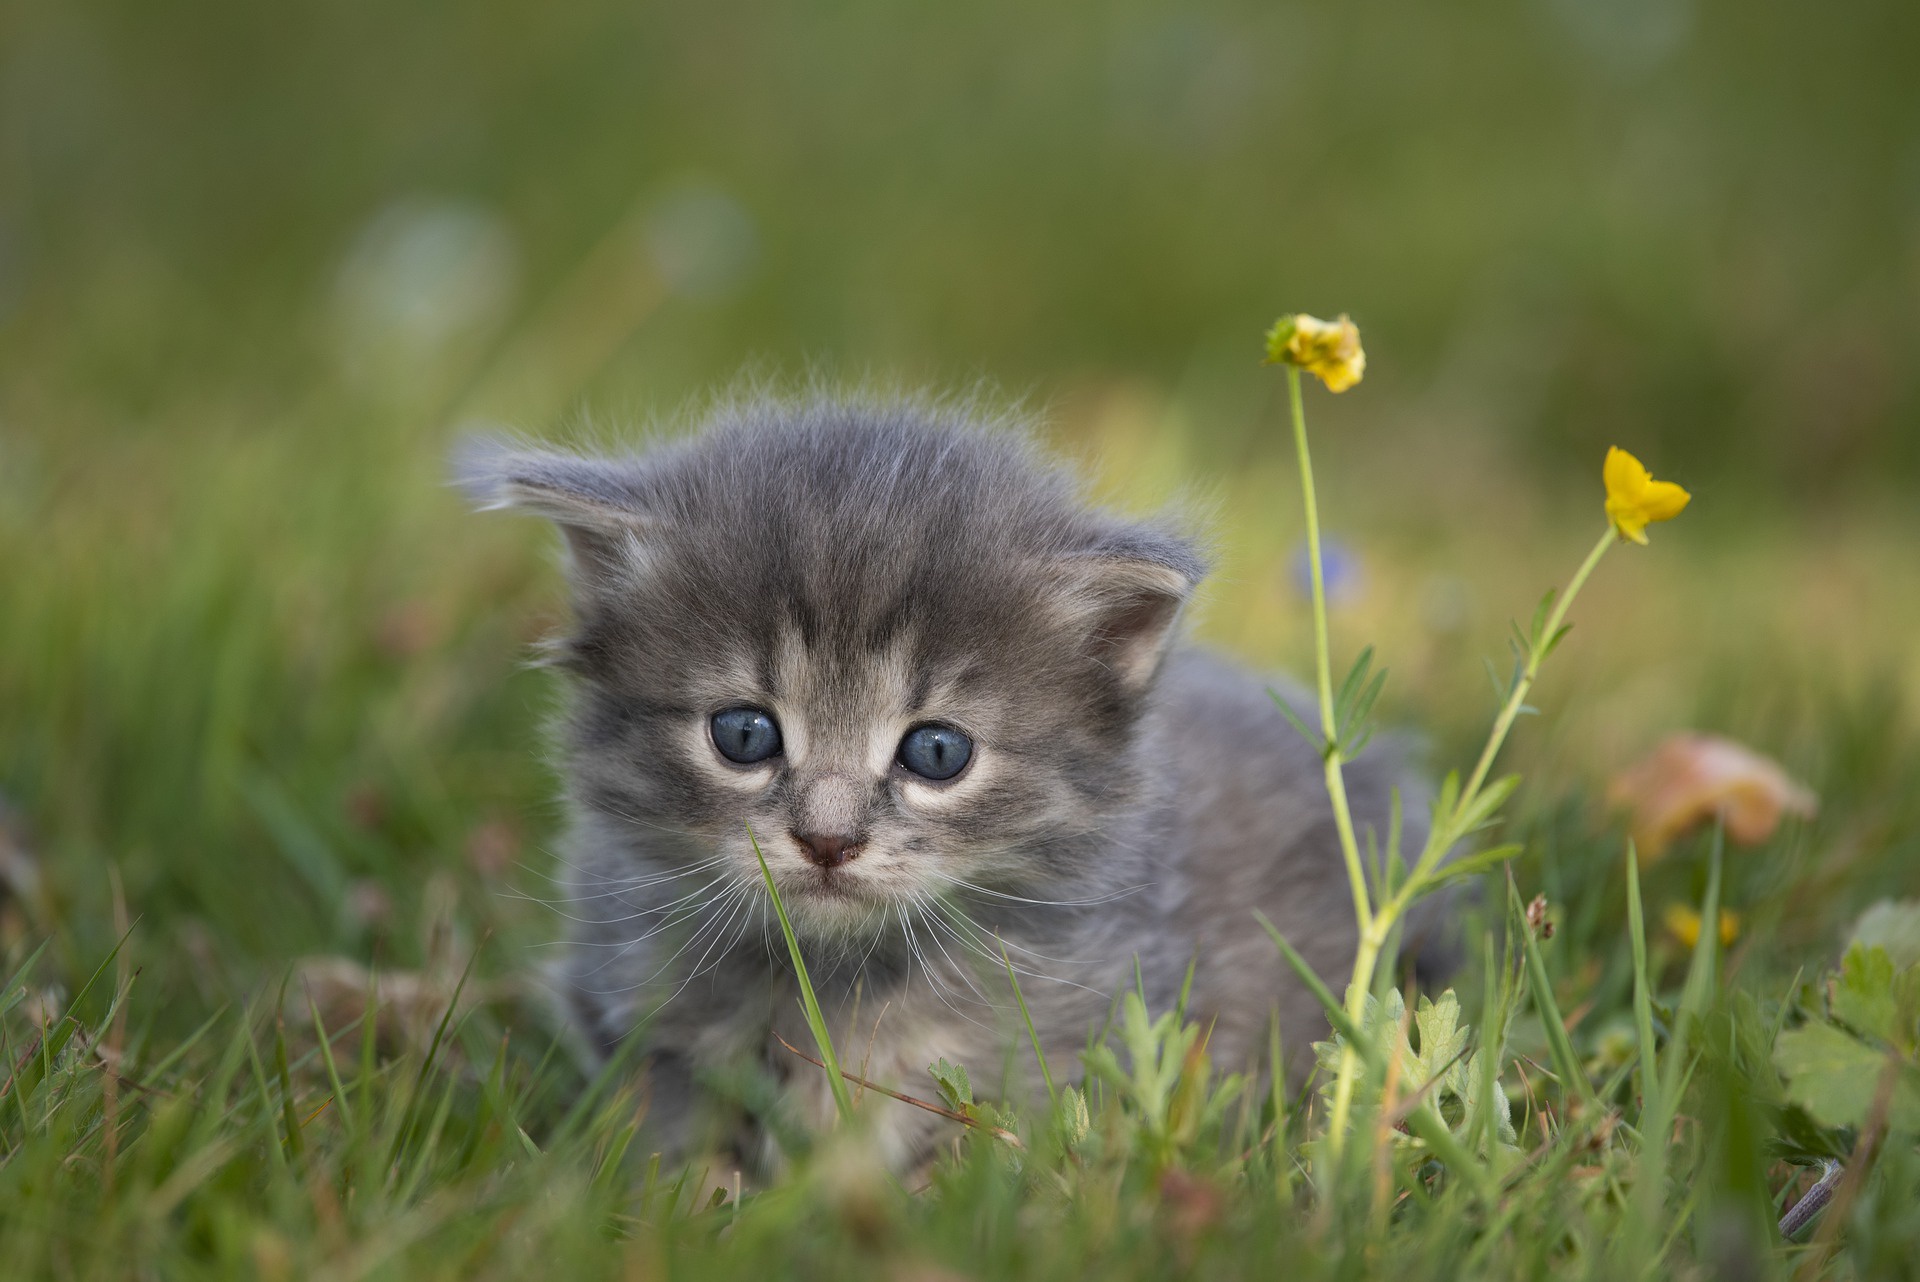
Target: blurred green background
(259, 264)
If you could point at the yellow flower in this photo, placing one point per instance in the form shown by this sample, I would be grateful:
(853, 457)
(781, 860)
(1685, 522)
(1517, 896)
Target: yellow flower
(1683, 923)
(1634, 499)
(1329, 350)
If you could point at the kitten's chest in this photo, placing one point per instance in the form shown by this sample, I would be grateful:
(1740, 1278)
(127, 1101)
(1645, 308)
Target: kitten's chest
(888, 1035)
(890, 1042)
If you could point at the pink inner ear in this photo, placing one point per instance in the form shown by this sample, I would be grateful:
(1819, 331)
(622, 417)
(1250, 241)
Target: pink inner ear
(1137, 605)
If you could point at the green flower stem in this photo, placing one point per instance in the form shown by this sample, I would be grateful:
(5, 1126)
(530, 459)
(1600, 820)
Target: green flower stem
(1323, 663)
(1446, 830)
(1517, 697)
(1368, 952)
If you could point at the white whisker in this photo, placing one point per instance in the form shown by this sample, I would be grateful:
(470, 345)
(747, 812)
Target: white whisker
(975, 939)
(1047, 903)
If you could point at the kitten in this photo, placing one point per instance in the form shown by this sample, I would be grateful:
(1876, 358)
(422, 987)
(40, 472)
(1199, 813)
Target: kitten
(945, 696)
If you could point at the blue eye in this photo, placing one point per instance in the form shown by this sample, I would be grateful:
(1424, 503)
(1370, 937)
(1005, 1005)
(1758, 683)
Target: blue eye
(935, 752)
(745, 735)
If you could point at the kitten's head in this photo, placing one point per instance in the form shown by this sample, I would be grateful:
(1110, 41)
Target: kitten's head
(896, 647)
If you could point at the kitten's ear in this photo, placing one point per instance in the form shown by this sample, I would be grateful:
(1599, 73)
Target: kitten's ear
(1127, 594)
(596, 502)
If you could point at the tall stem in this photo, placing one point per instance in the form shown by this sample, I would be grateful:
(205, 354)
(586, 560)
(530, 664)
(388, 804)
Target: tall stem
(1323, 664)
(1517, 697)
(1369, 947)
(1445, 831)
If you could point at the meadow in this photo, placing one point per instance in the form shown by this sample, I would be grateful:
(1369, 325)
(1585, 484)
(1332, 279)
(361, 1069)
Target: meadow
(266, 717)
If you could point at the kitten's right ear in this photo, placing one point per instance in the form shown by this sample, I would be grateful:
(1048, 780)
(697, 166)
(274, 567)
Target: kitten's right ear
(595, 502)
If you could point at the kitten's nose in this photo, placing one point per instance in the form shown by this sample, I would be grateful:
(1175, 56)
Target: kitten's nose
(829, 850)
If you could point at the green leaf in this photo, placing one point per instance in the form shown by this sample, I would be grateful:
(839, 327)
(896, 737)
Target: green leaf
(1442, 1040)
(1863, 994)
(1478, 811)
(1313, 737)
(1892, 925)
(1355, 679)
(1474, 864)
(1354, 716)
(1470, 1093)
(955, 1087)
(1447, 800)
(1540, 613)
(1074, 1120)
(1493, 679)
(1835, 1077)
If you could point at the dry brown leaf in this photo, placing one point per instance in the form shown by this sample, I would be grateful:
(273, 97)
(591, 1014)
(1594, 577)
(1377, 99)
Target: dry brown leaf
(1692, 777)
(410, 1004)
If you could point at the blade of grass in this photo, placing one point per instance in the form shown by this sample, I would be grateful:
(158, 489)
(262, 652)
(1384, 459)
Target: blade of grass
(1703, 969)
(1642, 990)
(290, 1116)
(19, 977)
(333, 1071)
(274, 1148)
(1281, 1159)
(1033, 1034)
(1484, 1134)
(406, 1118)
(809, 1004)
(1655, 1124)
(1565, 1063)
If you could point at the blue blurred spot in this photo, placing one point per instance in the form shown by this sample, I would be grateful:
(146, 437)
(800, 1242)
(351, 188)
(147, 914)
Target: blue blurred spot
(1339, 565)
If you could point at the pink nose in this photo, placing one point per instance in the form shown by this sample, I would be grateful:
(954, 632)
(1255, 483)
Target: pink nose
(827, 849)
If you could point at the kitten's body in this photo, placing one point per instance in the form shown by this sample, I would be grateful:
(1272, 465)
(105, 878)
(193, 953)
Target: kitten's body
(857, 572)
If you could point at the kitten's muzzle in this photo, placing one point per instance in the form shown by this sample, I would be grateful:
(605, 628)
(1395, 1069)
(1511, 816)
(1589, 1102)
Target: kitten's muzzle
(829, 850)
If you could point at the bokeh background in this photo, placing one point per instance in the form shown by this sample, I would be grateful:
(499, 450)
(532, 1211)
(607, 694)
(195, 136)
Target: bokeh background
(261, 682)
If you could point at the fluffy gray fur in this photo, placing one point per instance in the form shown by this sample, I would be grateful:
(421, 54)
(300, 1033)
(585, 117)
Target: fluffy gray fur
(860, 569)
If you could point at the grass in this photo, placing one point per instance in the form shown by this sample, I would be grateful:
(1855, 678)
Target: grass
(266, 737)
(277, 715)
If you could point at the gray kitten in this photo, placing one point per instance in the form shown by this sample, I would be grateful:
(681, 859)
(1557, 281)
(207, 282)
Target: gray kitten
(944, 695)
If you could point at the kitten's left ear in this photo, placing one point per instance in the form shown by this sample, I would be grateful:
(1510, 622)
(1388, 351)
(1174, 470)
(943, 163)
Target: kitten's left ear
(1128, 592)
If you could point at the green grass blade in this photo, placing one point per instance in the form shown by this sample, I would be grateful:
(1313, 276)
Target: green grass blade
(333, 1071)
(412, 1100)
(1033, 1034)
(275, 1149)
(1703, 970)
(1655, 1123)
(1642, 991)
(1559, 1047)
(816, 1022)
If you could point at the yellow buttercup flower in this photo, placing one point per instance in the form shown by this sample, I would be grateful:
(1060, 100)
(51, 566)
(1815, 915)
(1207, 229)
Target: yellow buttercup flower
(1329, 350)
(1683, 923)
(1634, 499)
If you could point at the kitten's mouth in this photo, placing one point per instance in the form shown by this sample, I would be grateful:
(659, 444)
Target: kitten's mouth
(829, 883)
(832, 891)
